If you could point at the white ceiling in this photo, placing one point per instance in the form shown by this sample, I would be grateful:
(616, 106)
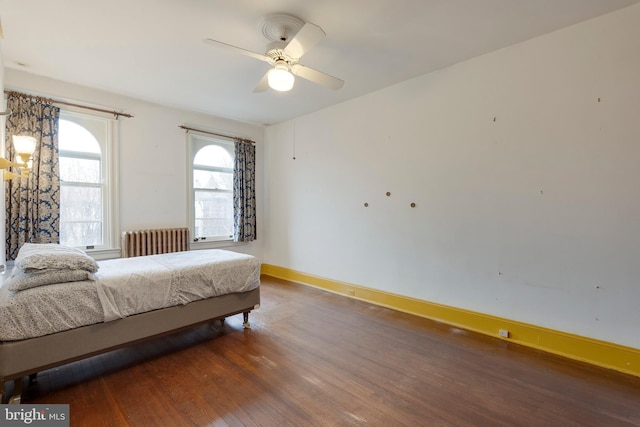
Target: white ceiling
(153, 49)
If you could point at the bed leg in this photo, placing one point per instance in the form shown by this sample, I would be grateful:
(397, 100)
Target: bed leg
(245, 320)
(16, 397)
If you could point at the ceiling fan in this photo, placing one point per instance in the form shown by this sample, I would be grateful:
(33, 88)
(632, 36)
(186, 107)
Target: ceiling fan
(290, 39)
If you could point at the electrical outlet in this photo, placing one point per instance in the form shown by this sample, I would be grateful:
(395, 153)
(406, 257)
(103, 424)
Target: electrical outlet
(504, 333)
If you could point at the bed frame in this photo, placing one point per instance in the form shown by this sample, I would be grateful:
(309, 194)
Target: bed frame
(27, 357)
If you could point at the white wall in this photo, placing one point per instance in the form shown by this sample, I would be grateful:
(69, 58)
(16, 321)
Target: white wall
(533, 217)
(152, 172)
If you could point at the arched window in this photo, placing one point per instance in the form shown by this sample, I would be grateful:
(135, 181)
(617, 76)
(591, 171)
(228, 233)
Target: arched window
(84, 181)
(212, 188)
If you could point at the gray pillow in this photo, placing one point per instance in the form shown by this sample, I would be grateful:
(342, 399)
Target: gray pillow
(39, 257)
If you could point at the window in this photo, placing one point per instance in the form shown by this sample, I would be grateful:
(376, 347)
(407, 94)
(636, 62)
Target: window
(86, 193)
(211, 163)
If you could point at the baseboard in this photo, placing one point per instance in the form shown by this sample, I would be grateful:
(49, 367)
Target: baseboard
(600, 353)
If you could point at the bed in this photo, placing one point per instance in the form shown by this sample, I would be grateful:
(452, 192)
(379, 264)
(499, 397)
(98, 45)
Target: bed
(53, 312)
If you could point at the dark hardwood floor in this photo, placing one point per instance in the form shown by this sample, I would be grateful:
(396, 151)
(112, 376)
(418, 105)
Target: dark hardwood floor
(317, 359)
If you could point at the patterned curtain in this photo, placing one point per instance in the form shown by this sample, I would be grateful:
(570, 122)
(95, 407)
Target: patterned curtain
(33, 204)
(244, 195)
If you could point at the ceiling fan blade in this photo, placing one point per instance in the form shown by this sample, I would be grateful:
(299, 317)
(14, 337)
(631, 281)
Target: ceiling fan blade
(307, 37)
(236, 49)
(317, 77)
(263, 84)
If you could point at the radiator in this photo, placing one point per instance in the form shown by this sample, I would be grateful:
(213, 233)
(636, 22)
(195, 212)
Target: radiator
(155, 241)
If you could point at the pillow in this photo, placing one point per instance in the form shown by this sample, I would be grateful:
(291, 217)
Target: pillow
(34, 257)
(18, 280)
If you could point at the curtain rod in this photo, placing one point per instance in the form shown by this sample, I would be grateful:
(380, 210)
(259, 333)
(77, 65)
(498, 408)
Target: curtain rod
(57, 101)
(235, 138)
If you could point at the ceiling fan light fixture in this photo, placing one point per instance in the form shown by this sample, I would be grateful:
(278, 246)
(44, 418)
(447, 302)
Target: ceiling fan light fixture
(280, 78)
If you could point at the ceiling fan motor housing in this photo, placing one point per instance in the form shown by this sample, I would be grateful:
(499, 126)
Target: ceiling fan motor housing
(275, 51)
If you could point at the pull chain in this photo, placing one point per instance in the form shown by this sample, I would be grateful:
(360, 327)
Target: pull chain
(294, 126)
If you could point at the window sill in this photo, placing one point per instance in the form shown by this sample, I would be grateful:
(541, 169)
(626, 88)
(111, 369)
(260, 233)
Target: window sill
(100, 254)
(214, 244)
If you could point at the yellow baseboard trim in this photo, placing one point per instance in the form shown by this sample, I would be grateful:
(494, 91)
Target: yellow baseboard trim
(600, 353)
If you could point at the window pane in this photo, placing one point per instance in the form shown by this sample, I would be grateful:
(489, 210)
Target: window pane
(80, 215)
(81, 233)
(73, 137)
(79, 170)
(213, 214)
(80, 203)
(213, 180)
(213, 155)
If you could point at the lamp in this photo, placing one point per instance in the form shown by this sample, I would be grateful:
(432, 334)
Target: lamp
(24, 146)
(280, 78)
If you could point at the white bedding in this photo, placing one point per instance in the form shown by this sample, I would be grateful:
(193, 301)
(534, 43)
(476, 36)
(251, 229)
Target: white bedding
(134, 285)
(124, 287)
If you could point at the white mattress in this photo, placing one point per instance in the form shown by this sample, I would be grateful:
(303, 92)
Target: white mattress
(126, 286)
